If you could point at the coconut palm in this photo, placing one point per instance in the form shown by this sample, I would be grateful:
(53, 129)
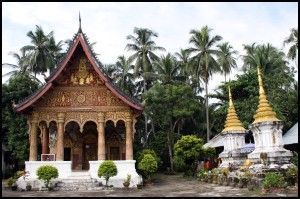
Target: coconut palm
(124, 75)
(55, 51)
(225, 58)
(204, 63)
(22, 63)
(168, 69)
(39, 52)
(293, 41)
(144, 47)
(267, 57)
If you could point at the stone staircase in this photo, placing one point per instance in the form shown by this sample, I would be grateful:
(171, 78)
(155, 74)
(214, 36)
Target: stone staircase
(78, 181)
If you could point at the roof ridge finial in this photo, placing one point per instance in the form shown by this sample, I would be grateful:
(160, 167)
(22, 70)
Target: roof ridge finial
(264, 111)
(79, 29)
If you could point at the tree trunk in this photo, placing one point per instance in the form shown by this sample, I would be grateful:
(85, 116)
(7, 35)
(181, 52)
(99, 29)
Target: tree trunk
(225, 77)
(206, 99)
(170, 151)
(146, 119)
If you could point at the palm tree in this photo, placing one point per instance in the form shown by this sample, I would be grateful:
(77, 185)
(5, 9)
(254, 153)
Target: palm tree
(22, 67)
(144, 47)
(293, 40)
(225, 58)
(22, 63)
(168, 69)
(124, 75)
(40, 55)
(55, 51)
(267, 57)
(206, 65)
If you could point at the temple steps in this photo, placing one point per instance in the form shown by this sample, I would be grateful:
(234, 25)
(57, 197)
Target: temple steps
(78, 181)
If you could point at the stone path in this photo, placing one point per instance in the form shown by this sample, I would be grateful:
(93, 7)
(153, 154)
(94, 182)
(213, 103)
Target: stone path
(163, 185)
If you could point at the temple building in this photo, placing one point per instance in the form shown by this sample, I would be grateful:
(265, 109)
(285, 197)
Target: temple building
(79, 118)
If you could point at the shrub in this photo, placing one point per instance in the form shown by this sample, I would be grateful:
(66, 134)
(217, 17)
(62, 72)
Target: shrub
(107, 169)
(179, 164)
(10, 181)
(294, 159)
(202, 173)
(225, 172)
(46, 173)
(292, 175)
(273, 180)
(148, 165)
(209, 152)
(148, 151)
(188, 149)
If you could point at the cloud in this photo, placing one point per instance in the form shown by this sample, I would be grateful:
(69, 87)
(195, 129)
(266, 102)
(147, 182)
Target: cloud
(109, 23)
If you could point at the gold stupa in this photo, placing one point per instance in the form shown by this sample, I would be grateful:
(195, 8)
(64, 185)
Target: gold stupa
(264, 111)
(232, 121)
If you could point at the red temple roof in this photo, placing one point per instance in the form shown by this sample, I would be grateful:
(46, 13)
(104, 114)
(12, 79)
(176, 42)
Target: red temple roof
(79, 39)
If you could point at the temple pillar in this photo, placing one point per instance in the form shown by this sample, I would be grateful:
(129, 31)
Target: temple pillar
(45, 139)
(101, 137)
(60, 137)
(33, 139)
(129, 146)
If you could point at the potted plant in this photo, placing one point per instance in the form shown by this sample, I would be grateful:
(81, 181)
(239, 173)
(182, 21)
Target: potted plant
(126, 183)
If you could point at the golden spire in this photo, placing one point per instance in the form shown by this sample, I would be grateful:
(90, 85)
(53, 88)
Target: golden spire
(264, 111)
(232, 121)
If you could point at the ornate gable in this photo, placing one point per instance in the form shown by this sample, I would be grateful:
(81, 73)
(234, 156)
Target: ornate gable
(78, 81)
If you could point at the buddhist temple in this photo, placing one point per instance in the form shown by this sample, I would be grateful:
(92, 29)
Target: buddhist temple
(80, 118)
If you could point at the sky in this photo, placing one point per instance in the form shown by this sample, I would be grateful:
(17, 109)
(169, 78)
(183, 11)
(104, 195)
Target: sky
(109, 23)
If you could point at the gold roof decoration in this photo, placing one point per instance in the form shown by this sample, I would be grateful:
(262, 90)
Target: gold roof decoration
(232, 122)
(264, 111)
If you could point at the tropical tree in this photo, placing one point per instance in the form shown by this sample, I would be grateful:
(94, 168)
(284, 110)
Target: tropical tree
(43, 51)
(266, 56)
(143, 47)
(293, 41)
(124, 75)
(205, 64)
(55, 51)
(225, 58)
(168, 69)
(167, 105)
(22, 64)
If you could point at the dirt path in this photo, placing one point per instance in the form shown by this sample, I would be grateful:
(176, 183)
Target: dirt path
(163, 185)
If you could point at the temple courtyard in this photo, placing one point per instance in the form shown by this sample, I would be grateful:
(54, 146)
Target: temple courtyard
(163, 185)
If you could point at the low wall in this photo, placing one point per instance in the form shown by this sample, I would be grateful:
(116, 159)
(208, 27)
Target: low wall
(63, 167)
(124, 167)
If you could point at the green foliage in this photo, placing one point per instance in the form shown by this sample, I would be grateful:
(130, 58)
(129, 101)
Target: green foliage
(10, 181)
(202, 173)
(292, 175)
(187, 150)
(46, 173)
(147, 151)
(294, 159)
(273, 180)
(209, 152)
(14, 136)
(148, 165)
(107, 169)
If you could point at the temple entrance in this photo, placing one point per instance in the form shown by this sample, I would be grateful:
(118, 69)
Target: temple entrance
(89, 145)
(115, 140)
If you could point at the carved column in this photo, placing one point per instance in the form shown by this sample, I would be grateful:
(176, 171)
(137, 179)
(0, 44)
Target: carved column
(45, 139)
(60, 137)
(33, 139)
(101, 137)
(129, 146)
